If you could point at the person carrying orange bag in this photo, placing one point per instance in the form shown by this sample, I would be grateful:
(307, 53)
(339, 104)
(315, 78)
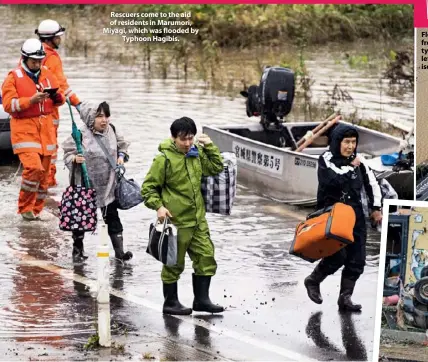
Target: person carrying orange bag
(49, 33)
(30, 93)
(342, 174)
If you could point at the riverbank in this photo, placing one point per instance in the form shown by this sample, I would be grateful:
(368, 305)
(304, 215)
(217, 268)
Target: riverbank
(246, 25)
(341, 75)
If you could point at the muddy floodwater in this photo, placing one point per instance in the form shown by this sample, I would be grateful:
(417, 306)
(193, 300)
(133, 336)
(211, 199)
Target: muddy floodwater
(48, 310)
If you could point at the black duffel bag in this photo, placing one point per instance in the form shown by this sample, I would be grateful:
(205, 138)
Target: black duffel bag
(127, 192)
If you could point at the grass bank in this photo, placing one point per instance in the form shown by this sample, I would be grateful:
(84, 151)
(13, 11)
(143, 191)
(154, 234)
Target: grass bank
(235, 42)
(272, 24)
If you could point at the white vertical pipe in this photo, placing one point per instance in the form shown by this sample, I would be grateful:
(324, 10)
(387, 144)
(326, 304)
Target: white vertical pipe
(103, 287)
(104, 332)
(103, 272)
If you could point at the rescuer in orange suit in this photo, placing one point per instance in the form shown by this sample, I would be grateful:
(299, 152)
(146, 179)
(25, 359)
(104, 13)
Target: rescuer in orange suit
(49, 33)
(29, 96)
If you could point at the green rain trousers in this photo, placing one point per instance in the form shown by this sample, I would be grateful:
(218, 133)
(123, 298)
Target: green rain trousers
(196, 241)
(174, 181)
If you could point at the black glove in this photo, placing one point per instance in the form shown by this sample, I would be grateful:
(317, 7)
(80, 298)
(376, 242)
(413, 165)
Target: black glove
(57, 98)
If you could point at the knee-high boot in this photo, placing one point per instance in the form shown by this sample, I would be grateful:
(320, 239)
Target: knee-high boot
(346, 290)
(312, 284)
(202, 302)
(78, 250)
(117, 242)
(171, 304)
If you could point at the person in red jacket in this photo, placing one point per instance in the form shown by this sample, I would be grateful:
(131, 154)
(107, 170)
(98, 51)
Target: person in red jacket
(30, 94)
(49, 33)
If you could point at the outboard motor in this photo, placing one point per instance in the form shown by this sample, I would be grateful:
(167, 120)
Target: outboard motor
(273, 98)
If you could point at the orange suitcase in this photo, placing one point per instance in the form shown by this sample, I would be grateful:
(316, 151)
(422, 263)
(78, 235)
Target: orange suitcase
(324, 232)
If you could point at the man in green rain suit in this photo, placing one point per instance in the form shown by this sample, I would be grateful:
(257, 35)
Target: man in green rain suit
(172, 187)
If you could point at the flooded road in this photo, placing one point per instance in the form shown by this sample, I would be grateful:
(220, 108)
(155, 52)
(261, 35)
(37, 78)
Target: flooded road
(47, 303)
(49, 309)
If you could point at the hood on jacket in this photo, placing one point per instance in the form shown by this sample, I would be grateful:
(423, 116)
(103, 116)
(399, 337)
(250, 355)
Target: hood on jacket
(336, 137)
(169, 145)
(88, 112)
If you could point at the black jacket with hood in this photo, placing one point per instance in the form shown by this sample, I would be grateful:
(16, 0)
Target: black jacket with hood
(339, 181)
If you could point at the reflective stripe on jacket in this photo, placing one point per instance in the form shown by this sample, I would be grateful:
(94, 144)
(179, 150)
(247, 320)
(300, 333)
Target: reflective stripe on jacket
(25, 87)
(32, 128)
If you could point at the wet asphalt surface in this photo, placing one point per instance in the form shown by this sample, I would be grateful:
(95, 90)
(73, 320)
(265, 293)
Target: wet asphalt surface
(49, 309)
(47, 304)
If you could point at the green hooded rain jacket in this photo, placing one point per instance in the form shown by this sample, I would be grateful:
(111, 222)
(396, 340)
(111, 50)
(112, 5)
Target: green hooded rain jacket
(174, 181)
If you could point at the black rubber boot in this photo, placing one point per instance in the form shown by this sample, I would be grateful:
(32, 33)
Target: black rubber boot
(171, 304)
(117, 242)
(202, 302)
(78, 251)
(345, 303)
(312, 284)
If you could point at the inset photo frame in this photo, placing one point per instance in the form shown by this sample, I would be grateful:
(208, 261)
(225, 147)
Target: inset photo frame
(401, 329)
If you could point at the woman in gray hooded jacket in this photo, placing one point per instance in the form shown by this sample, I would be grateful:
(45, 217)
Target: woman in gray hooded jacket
(100, 172)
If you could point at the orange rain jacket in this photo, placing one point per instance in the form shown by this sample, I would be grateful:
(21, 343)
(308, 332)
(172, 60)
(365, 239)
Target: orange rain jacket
(32, 128)
(54, 64)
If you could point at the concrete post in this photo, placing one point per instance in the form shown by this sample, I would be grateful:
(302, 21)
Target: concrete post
(103, 287)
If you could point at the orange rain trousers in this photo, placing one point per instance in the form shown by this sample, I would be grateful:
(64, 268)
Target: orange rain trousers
(34, 185)
(54, 63)
(52, 169)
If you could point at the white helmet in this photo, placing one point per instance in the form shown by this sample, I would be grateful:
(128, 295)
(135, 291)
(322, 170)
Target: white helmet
(33, 48)
(49, 28)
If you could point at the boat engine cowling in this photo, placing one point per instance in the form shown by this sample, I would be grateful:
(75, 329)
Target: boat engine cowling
(273, 98)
